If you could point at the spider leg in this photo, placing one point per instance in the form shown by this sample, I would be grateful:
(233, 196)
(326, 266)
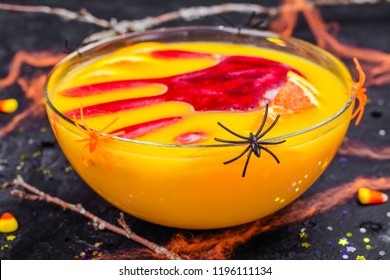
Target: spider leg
(269, 128)
(270, 143)
(261, 23)
(230, 141)
(227, 21)
(76, 123)
(246, 163)
(239, 156)
(82, 156)
(263, 122)
(232, 132)
(249, 20)
(117, 134)
(109, 124)
(83, 140)
(271, 153)
(82, 118)
(106, 165)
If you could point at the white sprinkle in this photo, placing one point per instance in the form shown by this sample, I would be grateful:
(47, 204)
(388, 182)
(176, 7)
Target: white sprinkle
(345, 257)
(382, 253)
(363, 230)
(351, 249)
(303, 229)
(102, 226)
(381, 102)
(382, 132)
(82, 211)
(329, 228)
(388, 214)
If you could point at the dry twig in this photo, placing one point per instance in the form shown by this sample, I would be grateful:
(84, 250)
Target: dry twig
(98, 223)
(82, 16)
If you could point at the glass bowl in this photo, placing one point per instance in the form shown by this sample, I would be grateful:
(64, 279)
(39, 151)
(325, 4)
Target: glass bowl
(188, 186)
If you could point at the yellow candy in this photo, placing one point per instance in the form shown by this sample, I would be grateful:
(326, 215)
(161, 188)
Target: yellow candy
(8, 223)
(367, 196)
(8, 105)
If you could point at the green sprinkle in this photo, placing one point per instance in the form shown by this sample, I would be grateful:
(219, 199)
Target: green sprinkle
(37, 154)
(69, 168)
(24, 156)
(46, 172)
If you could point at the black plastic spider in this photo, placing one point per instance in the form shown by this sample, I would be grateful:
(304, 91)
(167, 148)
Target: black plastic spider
(255, 144)
(69, 49)
(254, 21)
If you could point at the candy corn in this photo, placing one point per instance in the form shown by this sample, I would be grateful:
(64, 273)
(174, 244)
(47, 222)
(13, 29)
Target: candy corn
(8, 223)
(367, 196)
(8, 105)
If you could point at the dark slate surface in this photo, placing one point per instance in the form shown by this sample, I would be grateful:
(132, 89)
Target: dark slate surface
(47, 232)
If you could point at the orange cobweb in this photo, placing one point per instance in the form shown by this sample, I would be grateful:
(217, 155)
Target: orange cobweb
(285, 23)
(356, 149)
(221, 245)
(32, 87)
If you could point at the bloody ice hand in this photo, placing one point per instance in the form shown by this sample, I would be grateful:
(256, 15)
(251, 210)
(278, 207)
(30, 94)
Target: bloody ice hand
(234, 83)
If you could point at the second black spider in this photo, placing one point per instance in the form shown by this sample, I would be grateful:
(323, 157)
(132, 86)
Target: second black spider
(255, 145)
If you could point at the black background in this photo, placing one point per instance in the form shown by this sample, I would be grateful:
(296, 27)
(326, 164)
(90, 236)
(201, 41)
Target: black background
(47, 232)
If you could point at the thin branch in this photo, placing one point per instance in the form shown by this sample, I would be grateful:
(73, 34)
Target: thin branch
(82, 16)
(122, 222)
(98, 223)
(185, 14)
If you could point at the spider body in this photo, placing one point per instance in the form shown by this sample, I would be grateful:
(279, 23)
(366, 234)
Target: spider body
(94, 139)
(255, 145)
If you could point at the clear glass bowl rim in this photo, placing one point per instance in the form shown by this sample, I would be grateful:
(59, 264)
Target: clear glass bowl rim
(230, 30)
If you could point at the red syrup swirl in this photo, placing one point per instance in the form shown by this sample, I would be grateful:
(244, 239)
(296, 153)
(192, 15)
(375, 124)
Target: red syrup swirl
(234, 83)
(140, 129)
